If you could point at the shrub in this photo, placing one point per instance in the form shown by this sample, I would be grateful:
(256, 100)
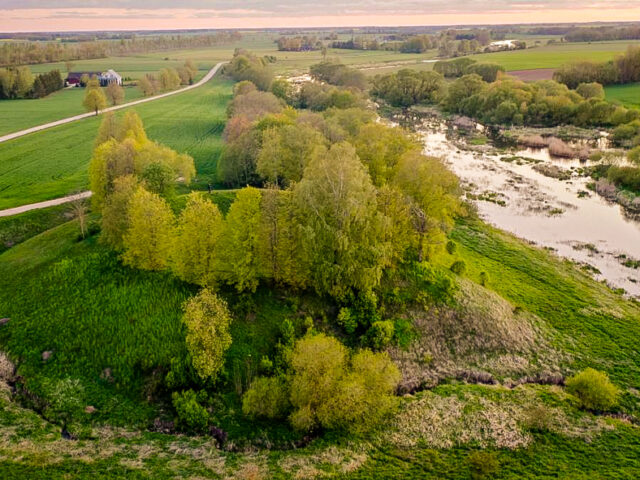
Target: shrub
(191, 415)
(483, 464)
(593, 389)
(267, 397)
(634, 155)
(207, 319)
(560, 149)
(347, 320)
(451, 247)
(381, 334)
(484, 278)
(538, 418)
(459, 267)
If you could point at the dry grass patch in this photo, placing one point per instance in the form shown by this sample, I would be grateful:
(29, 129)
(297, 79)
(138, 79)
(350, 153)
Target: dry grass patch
(484, 333)
(486, 417)
(325, 463)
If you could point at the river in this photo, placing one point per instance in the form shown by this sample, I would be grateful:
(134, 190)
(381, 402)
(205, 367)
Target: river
(563, 215)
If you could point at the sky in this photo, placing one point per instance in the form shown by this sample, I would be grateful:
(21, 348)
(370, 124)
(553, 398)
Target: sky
(87, 15)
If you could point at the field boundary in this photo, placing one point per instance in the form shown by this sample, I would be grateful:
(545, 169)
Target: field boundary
(210, 74)
(47, 203)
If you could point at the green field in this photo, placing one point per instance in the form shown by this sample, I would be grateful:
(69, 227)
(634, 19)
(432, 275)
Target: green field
(555, 55)
(627, 95)
(54, 162)
(75, 299)
(16, 115)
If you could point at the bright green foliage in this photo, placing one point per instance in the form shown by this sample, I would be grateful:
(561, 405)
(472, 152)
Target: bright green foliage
(197, 242)
(459, 267)
(340, 222)
(110, 160)
(191, 415)
(147, 243)
(159, 178)
(281, 257)
(483, 465)
(434, 191)
(381, 334)
(409, 87)
(241, 241)
(330, 390)
(591, 90)
(285, 152)
(380, 148)
(594, 390)
(115, 221)
(268, 397)
(94, 100)
(207, 319)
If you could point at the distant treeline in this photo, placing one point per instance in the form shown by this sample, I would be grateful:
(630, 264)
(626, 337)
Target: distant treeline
(24, 53)
(449, 43)
(597, 34)
(298, 44)
(20, 83)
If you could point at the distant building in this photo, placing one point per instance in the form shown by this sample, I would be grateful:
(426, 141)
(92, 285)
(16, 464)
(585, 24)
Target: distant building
(105, 78)
(110, 76)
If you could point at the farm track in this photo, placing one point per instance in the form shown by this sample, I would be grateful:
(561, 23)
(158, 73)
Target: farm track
(74, 118)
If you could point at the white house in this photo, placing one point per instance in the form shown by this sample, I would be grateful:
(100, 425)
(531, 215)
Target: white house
(110, 76)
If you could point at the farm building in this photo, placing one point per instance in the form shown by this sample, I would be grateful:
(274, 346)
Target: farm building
(105, 78)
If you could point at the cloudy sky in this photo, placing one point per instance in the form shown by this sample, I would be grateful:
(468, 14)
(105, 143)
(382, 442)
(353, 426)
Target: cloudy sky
(62, 15)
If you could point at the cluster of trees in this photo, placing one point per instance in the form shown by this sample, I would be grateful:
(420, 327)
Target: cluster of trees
(125, 162)
(599, 34)
(357, 195)
(505, 101)
(298, 44)
(358, 43)
(336, 73)
(20, 83)
(624, 69)
(462, 66)
(23, 53)
(246, 66)
(168, 79)
(323, 385)
(409, 87)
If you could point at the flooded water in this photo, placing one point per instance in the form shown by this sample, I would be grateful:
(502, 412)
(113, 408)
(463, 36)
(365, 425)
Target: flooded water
(559, 213)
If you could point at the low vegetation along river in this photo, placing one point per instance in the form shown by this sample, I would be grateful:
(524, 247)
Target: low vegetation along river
(557, 213)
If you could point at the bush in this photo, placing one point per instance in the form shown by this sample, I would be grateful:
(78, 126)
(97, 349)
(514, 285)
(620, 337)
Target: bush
(267, 398)
(593, 389)
(191, 415)
(484, 278)
(459, 267)
(538, 418)
(451, 247)
(483, 464)
(381, 334)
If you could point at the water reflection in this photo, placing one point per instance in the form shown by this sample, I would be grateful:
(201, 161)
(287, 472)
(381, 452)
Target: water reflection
(562, 214)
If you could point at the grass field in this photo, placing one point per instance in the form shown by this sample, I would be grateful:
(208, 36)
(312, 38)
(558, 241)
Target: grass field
(555, 55)
(54, 162)
(74, 298)
(627, 95)
(16, 115)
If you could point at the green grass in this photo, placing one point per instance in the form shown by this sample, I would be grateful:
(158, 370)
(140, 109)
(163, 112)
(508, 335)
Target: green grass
(18, 228)
(54, 162)
(555, 55)
(16, 115)
(596, 326)
(627, 95)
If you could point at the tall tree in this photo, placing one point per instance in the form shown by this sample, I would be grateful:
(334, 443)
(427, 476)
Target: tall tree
(207, 319)
(147, 243)
(115, 221)
(94, 100)
(115, 93)
(340, 222)
(197, 242)
(241, 259)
